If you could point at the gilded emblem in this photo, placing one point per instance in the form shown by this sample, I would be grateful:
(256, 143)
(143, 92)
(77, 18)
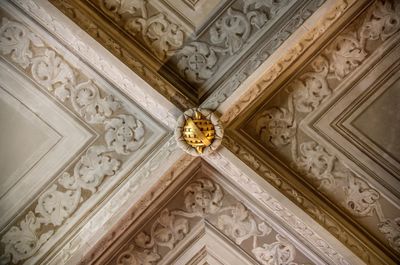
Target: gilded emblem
(198, 131)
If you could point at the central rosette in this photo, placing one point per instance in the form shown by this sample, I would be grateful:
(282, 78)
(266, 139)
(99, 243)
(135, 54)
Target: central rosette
(198, 131)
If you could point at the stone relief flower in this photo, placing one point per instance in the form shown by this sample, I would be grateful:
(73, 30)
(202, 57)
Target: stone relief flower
(162, 36)
(316, 163)
(391, 229)
(361, 199)
(55, 206)
(171, 229)
(275, 127)
(54, 73)
(232, 30)
(383, 21)
(311, 89)
(197, 62)
(15, 39)
(203, 197)
(136, 257)
(125, 134)
(240, 225)
(91, 169)
(24, 241)
(347, 53)
(87, 101)
(281, 252)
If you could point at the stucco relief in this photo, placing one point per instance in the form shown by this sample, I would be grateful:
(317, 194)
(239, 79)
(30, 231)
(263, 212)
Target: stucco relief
(206, 199)
(227, 36)
(55, 205)
(278, 127)
(160, 34)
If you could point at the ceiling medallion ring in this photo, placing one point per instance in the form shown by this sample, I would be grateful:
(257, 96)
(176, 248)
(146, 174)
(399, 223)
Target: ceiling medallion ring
(198, 132)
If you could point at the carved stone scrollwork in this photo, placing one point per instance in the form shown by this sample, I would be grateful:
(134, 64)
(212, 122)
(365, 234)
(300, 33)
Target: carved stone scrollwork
(391, 229)
(15, 39)
(361, 199)
(123, 134)
(158, 32)
(227, 36)
(232, 30)
(203, 198)
(24, 241)
(240, 225)
(277, 126)
(281, 252)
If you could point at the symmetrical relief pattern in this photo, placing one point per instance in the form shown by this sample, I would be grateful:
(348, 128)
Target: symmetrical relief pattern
(205, 199)
(123, 134)
(199, 60)
(278, 127)
(160, 35)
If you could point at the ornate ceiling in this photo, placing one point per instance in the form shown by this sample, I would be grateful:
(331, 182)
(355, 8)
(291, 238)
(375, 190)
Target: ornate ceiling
(308, 171)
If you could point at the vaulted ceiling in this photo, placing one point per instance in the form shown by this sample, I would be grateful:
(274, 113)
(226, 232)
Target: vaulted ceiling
(308, 93)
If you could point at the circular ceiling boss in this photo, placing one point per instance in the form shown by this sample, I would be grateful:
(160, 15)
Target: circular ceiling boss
(198, 131)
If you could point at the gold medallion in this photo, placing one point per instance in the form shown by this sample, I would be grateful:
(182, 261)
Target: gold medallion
(198, 132)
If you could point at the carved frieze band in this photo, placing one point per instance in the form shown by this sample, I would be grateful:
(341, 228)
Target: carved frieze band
(73, 10)
(277, 69)
(120, 135)
(318, 213)
(278, 127)
(205, 199)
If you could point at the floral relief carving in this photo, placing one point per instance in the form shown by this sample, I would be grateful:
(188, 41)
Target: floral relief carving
(24, 241)
(232, 30)
(15, 39)
(347, 54)
(311, 89)
(53, 72)
(124, 134)
(281, 252)
(391, 229)
(240, 225)
(161, 35)
(227, 36)
(58, 202)
(382, 22)
(203, 198)
(276, 127)
(361, 199)
(197, 61)
(89, 104)
(316, 163)
(55, 206)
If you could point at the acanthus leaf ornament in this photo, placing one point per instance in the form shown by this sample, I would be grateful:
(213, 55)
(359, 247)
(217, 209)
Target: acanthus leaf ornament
(281, 252)
(198, 132)
(95, 105)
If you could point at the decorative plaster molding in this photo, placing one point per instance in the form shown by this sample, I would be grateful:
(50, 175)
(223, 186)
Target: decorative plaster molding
(258, 192)
(277, 127)
(203, 199)
(142, 20)
(106, 64)
(30, 53)
(291, 56)
(318, 213)
(182, 164)
(270, 45)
